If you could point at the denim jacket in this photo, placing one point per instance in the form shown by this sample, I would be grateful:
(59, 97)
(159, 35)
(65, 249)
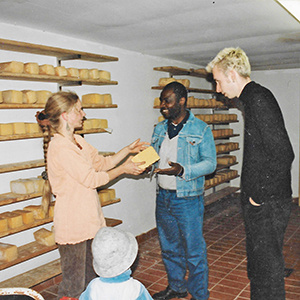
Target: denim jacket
(196, 152)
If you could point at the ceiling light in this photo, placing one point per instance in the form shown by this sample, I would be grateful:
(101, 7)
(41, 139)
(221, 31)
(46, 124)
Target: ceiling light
(292, 7)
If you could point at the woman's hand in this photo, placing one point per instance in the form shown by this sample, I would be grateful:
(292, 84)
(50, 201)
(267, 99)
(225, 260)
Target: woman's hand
(137, 146)
(132, 168)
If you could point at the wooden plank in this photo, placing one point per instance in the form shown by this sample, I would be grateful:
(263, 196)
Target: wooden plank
(9, 198)
(209, 199)
(26, 227)
(225, 181)
(41, 105)
(56, 79)
(191, 90)
(60, 53)
(31, 164)
(39, 135)
(34, 276)
(111, 201)
(26, 252)
(182, 71)
(22, 166)
(173, 70)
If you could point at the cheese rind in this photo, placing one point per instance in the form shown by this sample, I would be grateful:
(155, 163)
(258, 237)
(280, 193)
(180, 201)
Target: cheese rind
(92, 98)
(22, 186)
(12, 96)
(37, 210)
(6, 129)
(44, 237)
(93, 73)
(47, 70)
(84, 74)
(3, 224)
(14, 220)
(31, 68)
(12, 67)
(61, 71)
(42, 96)
(107, 99)
(73, 72)
(8, 252)
(19, 128)
(104, 75)
(149, 156)
(32, 128)
(27, 215)
(29, 96)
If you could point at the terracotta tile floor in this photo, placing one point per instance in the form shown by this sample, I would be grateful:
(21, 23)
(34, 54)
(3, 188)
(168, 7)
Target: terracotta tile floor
(225, 238)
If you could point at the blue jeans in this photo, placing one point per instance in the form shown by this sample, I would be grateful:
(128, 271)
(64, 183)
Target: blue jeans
(179, 223)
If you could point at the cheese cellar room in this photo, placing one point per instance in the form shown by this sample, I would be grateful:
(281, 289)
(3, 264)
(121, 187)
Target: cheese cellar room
(150, 149)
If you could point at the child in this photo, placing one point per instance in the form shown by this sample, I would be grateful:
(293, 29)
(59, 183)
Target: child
(114, 251)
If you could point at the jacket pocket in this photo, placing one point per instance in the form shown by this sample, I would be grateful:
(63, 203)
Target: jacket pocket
(193, 143)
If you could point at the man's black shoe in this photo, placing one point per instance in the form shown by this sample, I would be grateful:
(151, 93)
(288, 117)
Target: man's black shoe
(168, 294)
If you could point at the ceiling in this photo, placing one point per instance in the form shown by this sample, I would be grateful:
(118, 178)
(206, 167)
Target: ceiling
(191, 31)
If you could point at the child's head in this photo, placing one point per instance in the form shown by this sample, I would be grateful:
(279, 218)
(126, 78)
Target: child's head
(114, 251)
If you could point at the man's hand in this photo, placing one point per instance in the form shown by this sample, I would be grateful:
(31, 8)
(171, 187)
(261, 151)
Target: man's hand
(174, 169)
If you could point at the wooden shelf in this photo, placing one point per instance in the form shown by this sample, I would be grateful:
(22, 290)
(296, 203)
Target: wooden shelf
(34, 164)
(209, 199)
(226, 137)
(34, 249)
(182, 71)
(60, 53)
(190, 90)
(64, 81)
(226, 151)
(26, 252)
(9, 198)
(199, 107)
(227, 180)
(39, 135)
(220, 167)
(42, 105)
(25, 227)
(34, 276)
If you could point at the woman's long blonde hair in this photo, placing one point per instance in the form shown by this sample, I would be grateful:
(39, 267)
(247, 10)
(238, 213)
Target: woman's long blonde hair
(49, 120)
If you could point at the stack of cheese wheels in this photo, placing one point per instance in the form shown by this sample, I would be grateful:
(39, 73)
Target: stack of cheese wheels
(46, 70)
(14, 220)
(8, 252)
(19, 128)
(3, 224)
(12, 67)
(27, 186)
(226, 159)
(37, 210)
(106, 195)
(44, 237)
(27, 216)
(94, 98)
(95, 124)
(31, 68)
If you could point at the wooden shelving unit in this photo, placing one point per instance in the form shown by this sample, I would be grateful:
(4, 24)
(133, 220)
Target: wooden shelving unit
(33, 249)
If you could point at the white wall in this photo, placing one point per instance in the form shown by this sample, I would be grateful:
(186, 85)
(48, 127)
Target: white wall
(134, 118)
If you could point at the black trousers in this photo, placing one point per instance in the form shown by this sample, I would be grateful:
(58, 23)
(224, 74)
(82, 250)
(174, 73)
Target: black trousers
(265, 226)
(77, 268)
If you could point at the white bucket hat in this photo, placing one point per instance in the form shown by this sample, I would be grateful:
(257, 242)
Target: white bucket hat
(114, 251)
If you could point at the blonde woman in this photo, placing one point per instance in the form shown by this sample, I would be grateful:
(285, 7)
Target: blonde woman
(75, 170)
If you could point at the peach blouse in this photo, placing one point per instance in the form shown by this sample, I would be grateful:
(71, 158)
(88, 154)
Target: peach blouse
(74, 175)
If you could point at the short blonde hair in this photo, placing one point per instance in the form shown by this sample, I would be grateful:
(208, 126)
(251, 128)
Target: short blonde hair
(231, 58)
